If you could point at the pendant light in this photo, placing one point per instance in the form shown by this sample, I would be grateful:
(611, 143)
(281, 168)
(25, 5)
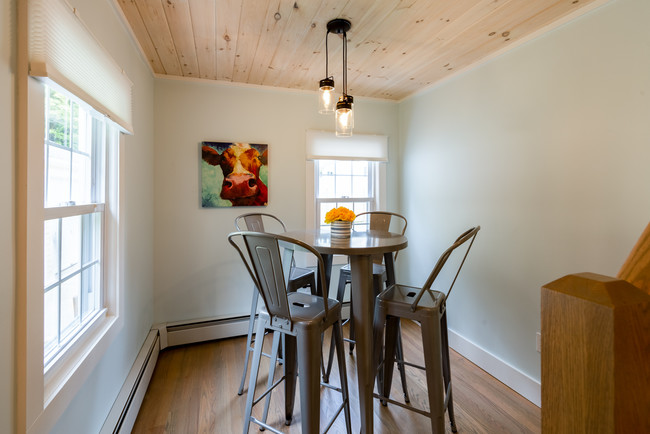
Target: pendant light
(326, 102)
(344, 106)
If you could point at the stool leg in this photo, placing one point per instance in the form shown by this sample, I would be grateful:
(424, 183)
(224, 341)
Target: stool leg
(269, 383)
(340, 292)
(431, 346)
(252, 381)
(290, 374)
(337, 331)
(400, 365)
(378, 344)
(446, 371)
(309, 368)
(249, 339)
(392, 327)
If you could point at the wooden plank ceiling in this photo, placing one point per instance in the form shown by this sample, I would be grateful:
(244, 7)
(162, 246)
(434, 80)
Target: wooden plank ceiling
(395, 47)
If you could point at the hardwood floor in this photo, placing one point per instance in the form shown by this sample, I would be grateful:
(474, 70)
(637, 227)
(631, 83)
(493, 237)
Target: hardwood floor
(194, 390)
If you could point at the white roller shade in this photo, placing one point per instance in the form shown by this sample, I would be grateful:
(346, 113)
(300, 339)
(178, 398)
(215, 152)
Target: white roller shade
(324, 145)
(62, 49)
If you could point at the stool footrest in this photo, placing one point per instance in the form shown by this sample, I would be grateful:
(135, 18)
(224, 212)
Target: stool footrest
(392, 401)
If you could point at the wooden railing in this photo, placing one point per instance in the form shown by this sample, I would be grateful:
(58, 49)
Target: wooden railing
(596, 349)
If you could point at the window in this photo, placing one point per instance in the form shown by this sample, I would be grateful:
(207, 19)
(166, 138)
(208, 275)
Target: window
(69, 291)
(348, 172)
(74, 195)
(345, 183)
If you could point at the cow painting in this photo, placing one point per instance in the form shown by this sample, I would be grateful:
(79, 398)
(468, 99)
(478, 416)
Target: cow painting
(234, 174)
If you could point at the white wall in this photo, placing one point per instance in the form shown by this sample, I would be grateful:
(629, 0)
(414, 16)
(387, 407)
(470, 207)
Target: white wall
(7, 283)
(198, 274)
(89, 408)
(547, 148)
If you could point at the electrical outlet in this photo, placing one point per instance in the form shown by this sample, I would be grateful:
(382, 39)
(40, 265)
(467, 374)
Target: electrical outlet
(538, 342)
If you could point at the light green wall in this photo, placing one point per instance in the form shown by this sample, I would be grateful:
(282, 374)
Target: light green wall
(198, 274)
(7, 264)
(547, 148)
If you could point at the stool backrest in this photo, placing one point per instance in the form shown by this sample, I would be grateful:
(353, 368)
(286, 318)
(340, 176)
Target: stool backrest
(255, 222)
(264, 264)
(468, 235)
(381, 221)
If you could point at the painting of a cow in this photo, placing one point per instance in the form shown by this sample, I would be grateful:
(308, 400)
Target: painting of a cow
(234, 174)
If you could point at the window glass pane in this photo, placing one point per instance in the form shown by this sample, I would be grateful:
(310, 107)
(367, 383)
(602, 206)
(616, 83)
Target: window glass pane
(75, 114)
(58, 176)
(90, 288)
(92, 242)
(58, 130)
(51, 319)
(70, 304)
(81, 178)
(343, 186)
(344, 167)
(326, 167)
(51, 252)
(360, 186)
(326, 186)
(70, 245)
(360, 168)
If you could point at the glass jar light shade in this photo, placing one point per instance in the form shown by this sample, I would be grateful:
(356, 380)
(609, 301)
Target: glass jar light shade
(344, 116)
(326, 100)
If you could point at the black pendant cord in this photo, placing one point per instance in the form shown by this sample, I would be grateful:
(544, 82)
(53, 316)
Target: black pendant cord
(345, 63)
(327, 55)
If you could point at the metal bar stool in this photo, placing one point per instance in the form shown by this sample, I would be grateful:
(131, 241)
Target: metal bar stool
(298, 278)
(427, 307)
(301, 318)
(379, 221)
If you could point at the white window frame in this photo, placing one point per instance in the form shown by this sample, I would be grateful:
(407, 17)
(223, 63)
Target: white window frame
(49, 390)
(374, 187)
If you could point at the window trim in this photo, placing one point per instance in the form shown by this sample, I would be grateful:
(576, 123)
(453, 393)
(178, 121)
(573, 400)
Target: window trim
(45, 396)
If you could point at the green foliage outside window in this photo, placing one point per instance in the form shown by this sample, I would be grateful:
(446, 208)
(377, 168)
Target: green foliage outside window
(61, 111)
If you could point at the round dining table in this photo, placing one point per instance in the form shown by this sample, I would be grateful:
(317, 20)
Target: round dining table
(361, 247)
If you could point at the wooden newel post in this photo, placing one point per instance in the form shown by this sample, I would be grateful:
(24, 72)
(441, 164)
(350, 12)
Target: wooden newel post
(595, 356)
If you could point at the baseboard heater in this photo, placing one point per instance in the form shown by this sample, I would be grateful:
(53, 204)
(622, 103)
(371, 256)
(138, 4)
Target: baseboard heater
(125, 409)
(185, 333)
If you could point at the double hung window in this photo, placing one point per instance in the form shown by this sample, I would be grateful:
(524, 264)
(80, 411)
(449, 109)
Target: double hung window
(348, 183)
(349, 172)
(76, 142)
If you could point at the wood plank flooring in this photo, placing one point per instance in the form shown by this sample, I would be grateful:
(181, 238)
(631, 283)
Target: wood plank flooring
(194, 390)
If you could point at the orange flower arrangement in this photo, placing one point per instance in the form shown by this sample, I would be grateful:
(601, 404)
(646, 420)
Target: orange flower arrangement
(341, 214)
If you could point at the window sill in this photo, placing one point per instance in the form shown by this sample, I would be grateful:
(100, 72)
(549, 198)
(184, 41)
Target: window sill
(65, 376)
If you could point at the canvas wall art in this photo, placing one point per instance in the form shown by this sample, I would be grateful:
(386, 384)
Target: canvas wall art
(234, 174)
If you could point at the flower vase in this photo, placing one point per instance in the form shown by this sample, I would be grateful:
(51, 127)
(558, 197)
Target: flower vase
(341, 229)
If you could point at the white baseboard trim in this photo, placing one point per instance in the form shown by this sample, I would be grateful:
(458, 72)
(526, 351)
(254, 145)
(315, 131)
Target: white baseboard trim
(521, 383)
(127, 404)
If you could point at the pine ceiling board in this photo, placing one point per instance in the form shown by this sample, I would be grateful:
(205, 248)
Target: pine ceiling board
(412, 30)
(365, 40)
(302, 25)
(139, 29)
(430, 34)
(204, 26)
(395, 47)
(251, 26)
(502, 27)
(228, 16)
(308, 64)
(153, 15)
(182, 31)
(277, 17)
(312, 62)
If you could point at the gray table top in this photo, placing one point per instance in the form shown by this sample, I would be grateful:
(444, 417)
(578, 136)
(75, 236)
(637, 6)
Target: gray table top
(359, 243)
